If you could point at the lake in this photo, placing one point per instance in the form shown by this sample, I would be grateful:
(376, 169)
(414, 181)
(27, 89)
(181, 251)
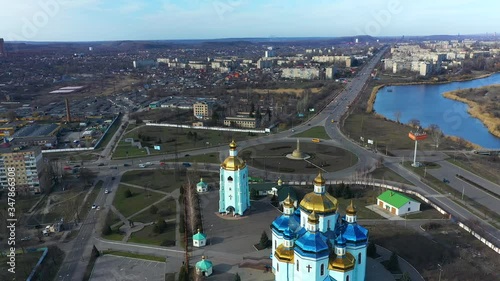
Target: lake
(427, 104)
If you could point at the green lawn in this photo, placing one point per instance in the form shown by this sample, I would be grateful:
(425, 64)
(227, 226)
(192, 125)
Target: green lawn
(204, 158)
(156, 179)
(24, 264)
(477, 168)
(387, 174)
(314, 132)
(171, 140)
(166, 180)
(366, 197)
(166, 208)
(136, 256)
(147, 236)
(139, 200)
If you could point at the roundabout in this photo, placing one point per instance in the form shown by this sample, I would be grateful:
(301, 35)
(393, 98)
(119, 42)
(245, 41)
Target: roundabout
(289, 157)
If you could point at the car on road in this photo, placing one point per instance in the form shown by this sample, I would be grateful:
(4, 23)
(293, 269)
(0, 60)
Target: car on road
(186, 164)
(94, 206)
(106, 191)
(112, 178)
(186, 155)
(126, 165)
(293, 130)
(100, 164)
(445, 180)
(113, 167)
(76, 166)
(309, 124)
(98, 208)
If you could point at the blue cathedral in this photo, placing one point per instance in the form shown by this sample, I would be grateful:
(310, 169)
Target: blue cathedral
(314, 243)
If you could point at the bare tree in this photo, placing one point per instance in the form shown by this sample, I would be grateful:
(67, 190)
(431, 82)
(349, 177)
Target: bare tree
(397, 115)
(414, 123)
(436, 134)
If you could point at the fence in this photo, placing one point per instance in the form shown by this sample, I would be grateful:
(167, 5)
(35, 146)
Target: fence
(265, 131)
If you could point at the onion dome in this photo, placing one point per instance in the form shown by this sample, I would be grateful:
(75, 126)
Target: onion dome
(321, 203)
(313, 218)
(288, 202)
(233, 162)
(232, 145)
(351, 210)
(319, 180)
(284, 254)
(280, 182)
(341, 263)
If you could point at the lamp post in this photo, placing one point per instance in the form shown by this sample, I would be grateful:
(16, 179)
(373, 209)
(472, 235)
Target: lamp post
(440, 271)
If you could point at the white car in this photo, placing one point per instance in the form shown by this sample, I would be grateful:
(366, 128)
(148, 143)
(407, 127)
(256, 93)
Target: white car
(106, 191)
(94, 206)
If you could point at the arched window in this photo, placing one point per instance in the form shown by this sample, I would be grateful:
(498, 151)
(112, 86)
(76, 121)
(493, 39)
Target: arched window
(328, 227)
(277, 267)
(359, 258)
(275, 244)
(347, 278)
(297, 265)
(230, 178)
(322, 269)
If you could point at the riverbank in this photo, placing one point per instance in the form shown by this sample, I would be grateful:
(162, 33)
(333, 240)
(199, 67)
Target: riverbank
(483, 105)
(376, 89)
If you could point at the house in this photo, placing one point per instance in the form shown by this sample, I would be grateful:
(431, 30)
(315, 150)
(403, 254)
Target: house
(397, 203)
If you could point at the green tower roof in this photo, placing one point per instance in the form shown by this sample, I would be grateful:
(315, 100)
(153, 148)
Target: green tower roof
(199, 236)
(204, 264)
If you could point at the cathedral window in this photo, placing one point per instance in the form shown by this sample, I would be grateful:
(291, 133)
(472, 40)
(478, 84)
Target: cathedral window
(347, 278)
(359, 258)
(322, 269)
(297, 265)
(277, 267)
(230, 178)
(275, 244)
(328, 221)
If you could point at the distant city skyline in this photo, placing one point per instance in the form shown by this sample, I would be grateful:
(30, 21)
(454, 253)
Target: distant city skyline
(105, 20)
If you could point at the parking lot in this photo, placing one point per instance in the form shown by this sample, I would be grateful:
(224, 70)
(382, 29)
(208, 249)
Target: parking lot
(111, 268)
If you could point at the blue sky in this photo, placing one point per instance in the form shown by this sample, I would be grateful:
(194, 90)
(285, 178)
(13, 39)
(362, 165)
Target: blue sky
(89, 20)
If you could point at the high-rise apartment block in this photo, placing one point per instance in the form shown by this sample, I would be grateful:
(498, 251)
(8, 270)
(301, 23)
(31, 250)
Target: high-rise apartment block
(25, 166)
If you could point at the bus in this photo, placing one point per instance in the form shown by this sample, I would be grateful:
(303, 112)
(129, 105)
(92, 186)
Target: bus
(316, 140)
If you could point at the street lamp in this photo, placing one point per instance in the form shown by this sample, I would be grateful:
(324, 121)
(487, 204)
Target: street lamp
(440, 271)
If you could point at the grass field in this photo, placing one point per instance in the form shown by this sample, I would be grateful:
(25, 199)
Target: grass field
(483, 166)
(147, 236)
(204, 158)
(138, 201)
(387, 174)
(386, 134)
(171, 140)
(166, 180)
(135, 256)
(314, 132)
(166, 208)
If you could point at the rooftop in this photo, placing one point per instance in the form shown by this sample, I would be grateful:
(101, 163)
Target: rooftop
(35, 130)
(394, 198)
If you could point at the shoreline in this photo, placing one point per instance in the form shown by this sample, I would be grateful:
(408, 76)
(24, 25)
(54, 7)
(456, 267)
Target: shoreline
(376, 89)
(476, 111)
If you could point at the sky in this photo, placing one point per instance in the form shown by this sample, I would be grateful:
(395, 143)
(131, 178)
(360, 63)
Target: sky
(102, 20)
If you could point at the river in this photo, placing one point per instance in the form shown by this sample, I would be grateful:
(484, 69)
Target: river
(427, 104)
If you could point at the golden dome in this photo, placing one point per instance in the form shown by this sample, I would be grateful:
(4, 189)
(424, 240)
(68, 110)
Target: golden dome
(321, 203)
(350, 210)
(319, 180)
(280, 182)
(232, 145)
(341, 263)
(233, 163)
(313, 218)
(288, 202)
(284, 254)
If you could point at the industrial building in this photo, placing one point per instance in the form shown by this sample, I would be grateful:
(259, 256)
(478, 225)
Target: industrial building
(28, 165)
(36, 135)
(203, 110)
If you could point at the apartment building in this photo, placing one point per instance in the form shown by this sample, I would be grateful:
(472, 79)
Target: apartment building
(28, 164)
(203, 110)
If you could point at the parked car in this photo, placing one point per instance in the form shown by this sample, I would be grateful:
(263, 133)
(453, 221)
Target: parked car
(106, 191)
(126, 165)
(101, 164)
(94, 206)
